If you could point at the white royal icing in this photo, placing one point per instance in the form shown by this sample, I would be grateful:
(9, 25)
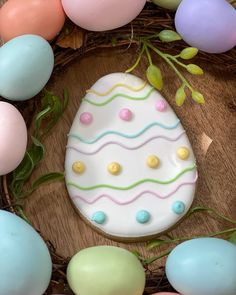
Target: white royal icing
(138, 200)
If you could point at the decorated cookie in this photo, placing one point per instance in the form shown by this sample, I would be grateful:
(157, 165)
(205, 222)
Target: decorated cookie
(130, 169)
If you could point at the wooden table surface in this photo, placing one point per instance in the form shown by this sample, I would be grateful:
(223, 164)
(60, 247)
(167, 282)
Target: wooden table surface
(211, 130)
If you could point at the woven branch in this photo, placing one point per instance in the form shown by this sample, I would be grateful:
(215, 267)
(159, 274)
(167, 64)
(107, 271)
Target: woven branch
(151, 21)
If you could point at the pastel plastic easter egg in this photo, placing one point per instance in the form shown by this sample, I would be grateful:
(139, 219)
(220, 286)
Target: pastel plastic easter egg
(37, 17)
(26, 64)
(102, 15)
(165, 293)
(204, 266)
(26, 266)
(13, 138)
(106, 270)
(208, 25)
(169, 4)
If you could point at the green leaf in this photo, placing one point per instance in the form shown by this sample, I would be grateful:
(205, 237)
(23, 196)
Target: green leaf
(52, 109)
(232, 238)
(57, 109)
(198, 97)
(40, 116)
(36, 151)
(188, 53)
(180, 96)
(17, 188)
(155, 243)
(25, 168)
(136, 253)
(47, 178)
(169, 36)
(194, 69)
(154, 77)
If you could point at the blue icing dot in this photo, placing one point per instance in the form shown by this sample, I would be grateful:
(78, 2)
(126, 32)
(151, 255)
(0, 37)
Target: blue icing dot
(178, 207)
(99, 217)
(143, 216)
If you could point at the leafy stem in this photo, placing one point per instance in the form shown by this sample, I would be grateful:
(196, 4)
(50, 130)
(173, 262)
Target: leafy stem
(137, 61)
(210, 211)
(152, 245)
(155, 258)
(52, 108)
(230, 233)
(148, 54)
(169, 62)
(154, 74)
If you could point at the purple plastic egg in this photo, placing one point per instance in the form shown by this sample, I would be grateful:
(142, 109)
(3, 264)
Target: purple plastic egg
(209, 25)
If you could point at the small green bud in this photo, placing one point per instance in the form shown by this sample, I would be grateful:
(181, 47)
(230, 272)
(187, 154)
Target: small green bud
(198, 97)
(188, 53)
(180, 96)
(154, 77)
(169, 36)
(194, 69)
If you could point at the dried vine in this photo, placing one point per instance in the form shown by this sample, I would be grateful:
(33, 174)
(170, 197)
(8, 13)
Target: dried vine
(151, 21)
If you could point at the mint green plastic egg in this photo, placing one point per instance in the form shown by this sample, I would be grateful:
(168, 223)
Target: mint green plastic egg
(106, 270)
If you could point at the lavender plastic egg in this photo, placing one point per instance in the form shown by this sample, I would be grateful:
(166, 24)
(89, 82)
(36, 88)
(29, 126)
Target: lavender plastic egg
(209, 25)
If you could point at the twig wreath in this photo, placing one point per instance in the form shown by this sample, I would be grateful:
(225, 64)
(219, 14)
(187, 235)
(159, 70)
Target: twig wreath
(152, 32)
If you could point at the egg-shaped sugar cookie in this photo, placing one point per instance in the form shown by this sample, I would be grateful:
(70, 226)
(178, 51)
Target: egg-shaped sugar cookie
(130, 168)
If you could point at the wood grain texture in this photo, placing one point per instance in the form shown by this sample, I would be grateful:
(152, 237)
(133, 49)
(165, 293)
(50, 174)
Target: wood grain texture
(211, 130)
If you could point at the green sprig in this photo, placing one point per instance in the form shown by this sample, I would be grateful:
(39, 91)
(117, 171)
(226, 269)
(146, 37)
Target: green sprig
(52, 108)
(154, 73)
(229, 233)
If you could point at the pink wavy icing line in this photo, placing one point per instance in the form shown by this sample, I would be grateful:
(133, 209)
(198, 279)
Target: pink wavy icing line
(136, 197)
(124, 146)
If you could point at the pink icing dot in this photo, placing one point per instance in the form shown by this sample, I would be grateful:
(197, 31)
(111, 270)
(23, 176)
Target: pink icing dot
(86, 118)
(161, 105)
(126, 114)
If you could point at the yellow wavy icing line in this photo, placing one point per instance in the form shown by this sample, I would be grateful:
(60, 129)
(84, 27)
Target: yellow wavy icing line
(137, 89)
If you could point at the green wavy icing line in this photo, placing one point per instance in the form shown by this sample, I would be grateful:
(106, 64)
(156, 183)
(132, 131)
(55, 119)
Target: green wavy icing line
(132, 185)
(119, 95)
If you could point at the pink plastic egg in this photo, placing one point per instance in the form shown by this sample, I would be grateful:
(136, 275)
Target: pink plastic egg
(165, 293)
(38, 17)
(13, 138)
(97, 15)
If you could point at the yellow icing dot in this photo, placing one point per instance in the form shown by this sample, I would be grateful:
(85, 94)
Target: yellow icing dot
(114, 168)
(79, 167)
(153, 161)
(183, 153)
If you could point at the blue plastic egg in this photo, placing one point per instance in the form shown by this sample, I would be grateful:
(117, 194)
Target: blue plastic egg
(25, 263)
(204, 266)
(26, 64)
